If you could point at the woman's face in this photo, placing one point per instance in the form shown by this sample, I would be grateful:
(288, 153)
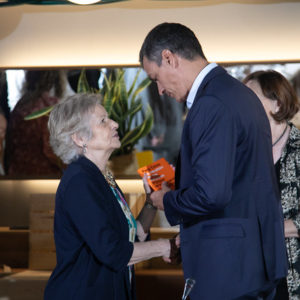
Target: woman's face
(104, 132)
(270, 106)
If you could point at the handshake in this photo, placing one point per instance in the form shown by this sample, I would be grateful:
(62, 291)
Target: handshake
(175, 255)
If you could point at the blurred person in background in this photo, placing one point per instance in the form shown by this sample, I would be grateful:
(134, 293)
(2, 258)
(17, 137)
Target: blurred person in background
(28, 152)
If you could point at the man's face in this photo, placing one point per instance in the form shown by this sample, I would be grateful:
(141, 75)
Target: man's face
(167, 78)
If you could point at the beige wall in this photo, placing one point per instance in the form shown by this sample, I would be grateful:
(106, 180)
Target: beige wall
(112, 34)
(15, 197)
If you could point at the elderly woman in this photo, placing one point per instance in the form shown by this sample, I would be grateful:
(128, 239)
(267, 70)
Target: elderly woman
(281, 104)
(95, 232)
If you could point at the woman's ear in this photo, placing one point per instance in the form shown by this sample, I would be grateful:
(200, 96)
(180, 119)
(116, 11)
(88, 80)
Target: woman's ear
(78, 140)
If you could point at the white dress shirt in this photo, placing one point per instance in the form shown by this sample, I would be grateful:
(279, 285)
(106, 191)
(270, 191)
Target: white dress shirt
(192, 94)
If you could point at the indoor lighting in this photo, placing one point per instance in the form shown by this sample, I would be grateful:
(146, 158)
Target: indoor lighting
(84, 2)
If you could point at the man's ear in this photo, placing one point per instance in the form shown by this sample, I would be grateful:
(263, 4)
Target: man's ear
(169, 58)
(78, 140)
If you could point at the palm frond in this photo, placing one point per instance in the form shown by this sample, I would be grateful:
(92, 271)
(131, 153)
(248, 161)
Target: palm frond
(39, 113)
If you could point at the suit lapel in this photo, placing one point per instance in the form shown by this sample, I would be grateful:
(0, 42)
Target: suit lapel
(211, 75)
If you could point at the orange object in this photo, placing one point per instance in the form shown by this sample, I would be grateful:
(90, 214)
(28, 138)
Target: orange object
(158, 172)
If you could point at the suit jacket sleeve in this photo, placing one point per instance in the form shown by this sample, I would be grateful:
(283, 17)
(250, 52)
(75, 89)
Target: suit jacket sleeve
(209, 141)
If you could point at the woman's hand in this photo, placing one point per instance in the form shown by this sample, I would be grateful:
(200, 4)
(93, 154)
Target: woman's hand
(146, 215)
(146, 250)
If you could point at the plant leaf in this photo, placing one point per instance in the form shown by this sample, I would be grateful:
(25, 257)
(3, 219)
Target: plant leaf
(134, 82)
(83, 85)
(145, 83)
(140, 131)
(39, 113)
(136, 107)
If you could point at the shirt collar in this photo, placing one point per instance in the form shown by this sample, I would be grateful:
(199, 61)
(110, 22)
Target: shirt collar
(191, 96)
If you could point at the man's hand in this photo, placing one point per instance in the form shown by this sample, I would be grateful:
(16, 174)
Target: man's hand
(158, 196)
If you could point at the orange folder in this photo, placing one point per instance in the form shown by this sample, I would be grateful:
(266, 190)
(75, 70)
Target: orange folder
(158, 172)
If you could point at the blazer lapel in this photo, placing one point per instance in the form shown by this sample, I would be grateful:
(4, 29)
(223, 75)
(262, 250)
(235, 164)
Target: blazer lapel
(212, 74)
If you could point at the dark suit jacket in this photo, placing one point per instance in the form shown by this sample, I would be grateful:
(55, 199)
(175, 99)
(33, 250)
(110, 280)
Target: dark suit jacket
(226, 199)
(91, 238)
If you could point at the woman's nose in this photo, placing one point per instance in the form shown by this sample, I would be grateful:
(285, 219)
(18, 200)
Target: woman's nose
(115, 125)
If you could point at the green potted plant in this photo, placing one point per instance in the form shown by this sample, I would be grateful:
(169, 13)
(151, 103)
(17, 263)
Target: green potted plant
(123, 105)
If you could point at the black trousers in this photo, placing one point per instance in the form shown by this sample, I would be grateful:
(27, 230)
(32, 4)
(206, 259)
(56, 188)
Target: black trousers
(282, 290)
(267, 293)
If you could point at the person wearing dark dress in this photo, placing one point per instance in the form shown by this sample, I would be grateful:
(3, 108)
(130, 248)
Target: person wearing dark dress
(27, 151)
(97, 238)
(281, 104)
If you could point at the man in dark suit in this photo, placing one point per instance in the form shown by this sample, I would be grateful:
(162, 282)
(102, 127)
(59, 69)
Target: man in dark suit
(226, 198)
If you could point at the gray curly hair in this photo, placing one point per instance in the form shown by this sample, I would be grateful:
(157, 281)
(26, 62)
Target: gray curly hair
(68, 117)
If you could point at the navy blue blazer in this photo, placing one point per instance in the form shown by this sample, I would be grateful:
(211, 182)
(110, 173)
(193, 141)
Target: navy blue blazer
(226, 196)
(91, 238)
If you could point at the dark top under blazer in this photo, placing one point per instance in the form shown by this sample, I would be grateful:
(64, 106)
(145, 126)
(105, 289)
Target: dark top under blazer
(91, 238)
(226, 196)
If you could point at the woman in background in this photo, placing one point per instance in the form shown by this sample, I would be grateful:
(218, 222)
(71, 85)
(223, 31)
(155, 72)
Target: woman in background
(95, 232)
(28, 152)
(281, 104)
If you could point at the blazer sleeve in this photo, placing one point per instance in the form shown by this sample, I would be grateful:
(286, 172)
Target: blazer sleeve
(91, 211)
(209, 141)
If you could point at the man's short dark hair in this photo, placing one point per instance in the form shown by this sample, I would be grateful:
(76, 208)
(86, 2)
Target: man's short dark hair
(175, 37)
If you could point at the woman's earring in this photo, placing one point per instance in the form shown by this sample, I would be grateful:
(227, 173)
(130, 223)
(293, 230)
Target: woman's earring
(84, 146)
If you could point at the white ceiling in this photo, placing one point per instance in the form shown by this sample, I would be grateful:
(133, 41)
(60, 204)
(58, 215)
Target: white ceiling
(111, 34)
(155, 4)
